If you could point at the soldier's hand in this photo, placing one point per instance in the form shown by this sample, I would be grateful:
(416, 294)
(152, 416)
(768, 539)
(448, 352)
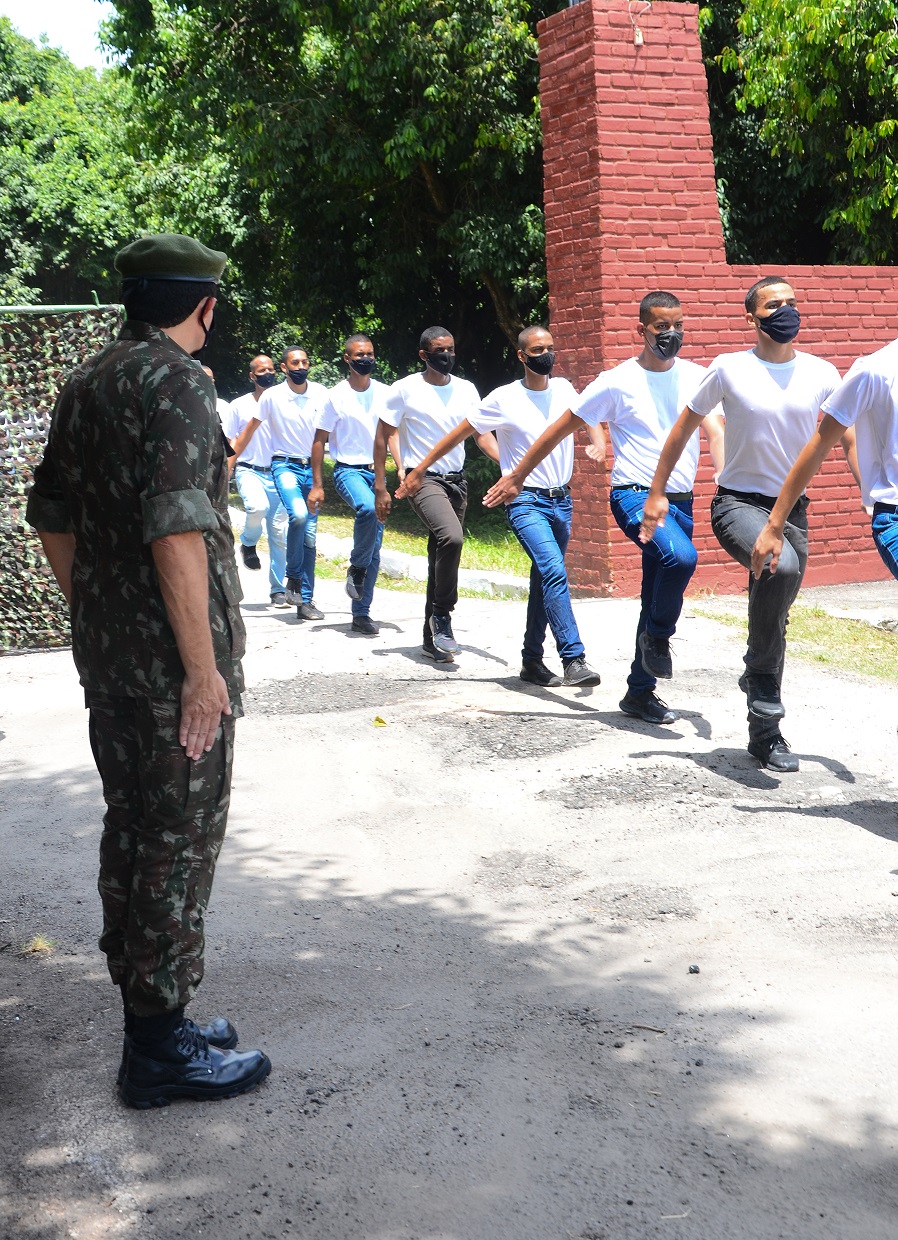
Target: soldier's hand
(410, 485)
(769, 543)
(315, 500)
(204, 699)
(382, 503)
(502, 492)
(654, 514)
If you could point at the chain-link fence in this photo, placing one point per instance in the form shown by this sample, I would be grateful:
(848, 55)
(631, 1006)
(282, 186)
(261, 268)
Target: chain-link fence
(38, 350)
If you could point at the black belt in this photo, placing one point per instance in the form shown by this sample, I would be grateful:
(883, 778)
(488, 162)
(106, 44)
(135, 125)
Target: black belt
(349, 465)
(260, 469)
(305, 461)
(457, 476)
(679, 497)
(879, 507)
(749, 497)
(549, 492)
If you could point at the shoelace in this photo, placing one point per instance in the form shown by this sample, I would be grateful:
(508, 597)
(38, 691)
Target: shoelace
(191, 1042)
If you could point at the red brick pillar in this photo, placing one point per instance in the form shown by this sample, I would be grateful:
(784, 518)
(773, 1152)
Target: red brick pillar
(631, 205)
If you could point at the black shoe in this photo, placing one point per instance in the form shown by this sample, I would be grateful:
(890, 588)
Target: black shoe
(648, 707)
(355, 582)
(763, 694)
(219, 1032)
(250, 558)
(443, 637)
(364, 624)
(655, 655)
(294, 591)
(185, 1065)
(438, 656)
(774, 753)
(308, 611)
(535, 672)
(578, 672)
(279, 599)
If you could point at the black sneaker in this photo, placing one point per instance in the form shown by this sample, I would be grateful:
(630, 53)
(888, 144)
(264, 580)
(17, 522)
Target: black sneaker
(443, 637)
(293, 591)
(355, 582)
(773, 752)
(184, 1064)
(439, 656)
(763, 694)
(535, 672)
(308, 611)
(250, 558)
(648, 707)
(219, 1032)
(279, 599)
(364, 624)
(578, 672)
(655, 655)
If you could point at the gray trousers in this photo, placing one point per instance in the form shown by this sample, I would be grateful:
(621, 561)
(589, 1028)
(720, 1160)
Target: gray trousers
(737, 520)
(440, 506)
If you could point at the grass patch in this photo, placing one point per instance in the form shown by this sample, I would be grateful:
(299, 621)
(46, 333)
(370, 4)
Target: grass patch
(40, 945)
(817, 637)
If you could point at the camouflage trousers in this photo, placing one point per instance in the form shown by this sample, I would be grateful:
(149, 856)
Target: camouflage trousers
(162, 832)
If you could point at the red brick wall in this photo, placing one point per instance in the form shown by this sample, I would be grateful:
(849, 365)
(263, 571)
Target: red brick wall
(631, 205)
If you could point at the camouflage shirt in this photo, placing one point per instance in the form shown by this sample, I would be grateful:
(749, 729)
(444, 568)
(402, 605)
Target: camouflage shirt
(135, 452)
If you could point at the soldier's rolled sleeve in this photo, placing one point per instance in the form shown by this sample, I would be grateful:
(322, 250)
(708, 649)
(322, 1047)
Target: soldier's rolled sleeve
(182, 430)
(176, 512)
(47, 510)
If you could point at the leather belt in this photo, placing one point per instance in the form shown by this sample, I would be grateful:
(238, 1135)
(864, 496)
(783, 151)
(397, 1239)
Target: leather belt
(879, 506)
(351, 465)
(260, 469)
(457, 476)
(679, 497)
(549, 492)
(305, 461)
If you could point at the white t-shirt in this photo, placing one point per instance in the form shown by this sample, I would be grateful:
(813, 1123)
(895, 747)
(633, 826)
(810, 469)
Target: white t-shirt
(425, 412)
(258, 450)
(771, 411)
(640, 406)
(868, 396)
(351, 418)
(519, 416)
(291, 416)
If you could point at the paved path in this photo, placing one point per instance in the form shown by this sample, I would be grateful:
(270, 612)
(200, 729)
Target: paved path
(465, 940)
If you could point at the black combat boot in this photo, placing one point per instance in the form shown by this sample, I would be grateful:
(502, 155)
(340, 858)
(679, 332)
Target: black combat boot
(219, 1032)
(169, 1058)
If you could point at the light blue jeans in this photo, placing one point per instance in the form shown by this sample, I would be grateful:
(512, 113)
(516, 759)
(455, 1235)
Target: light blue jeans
(261, 503)
(885, 535)
(356, 488)
(542, 525)
(294, 482)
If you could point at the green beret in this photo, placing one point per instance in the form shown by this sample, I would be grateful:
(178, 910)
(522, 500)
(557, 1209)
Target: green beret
(169, 256)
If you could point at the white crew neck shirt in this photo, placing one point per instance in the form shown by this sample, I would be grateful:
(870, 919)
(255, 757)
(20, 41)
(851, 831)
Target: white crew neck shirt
(291, 417)
(771, 411)
(258, 450)
(350, 419)
(425, 412)
(868, 398)
(519, 415)
(640, 406)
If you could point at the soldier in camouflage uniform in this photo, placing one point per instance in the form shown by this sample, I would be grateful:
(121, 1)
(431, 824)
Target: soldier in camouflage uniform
(130, 502)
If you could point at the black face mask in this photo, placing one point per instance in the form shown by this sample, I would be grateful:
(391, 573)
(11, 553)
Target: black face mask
(363, 365)
(265, 380)
(207, 332)
(781, 326)
(442, 363)
(541, 364)
(666, 344)
(299, 376)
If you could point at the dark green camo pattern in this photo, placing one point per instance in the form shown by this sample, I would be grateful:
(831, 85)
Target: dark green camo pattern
(37, 353)
(135, 453)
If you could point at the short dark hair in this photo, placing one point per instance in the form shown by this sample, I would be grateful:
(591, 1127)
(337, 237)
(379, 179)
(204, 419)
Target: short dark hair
(751, 297)
(430, 334)
(164, 303)
(526, 332)
(660, 300)
(358, 338)
(293, 348)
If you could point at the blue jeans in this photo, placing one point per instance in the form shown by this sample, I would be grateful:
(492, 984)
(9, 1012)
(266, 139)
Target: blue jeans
(885, 535)
(261, 502)
(356, 488)
(294, 482)
(542, 526)
(668, 563)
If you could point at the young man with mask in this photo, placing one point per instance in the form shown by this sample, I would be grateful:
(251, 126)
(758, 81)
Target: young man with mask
(640, 400)
(519, 414)
(424, 407)
(130, 503)
(255, 485)
(349, 420)
(290, 410)
(771, 396)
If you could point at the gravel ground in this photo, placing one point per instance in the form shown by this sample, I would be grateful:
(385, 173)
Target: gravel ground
(526, 969)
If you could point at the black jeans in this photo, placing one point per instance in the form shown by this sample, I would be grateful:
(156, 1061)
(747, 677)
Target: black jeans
(440, 506)
(737, 520)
